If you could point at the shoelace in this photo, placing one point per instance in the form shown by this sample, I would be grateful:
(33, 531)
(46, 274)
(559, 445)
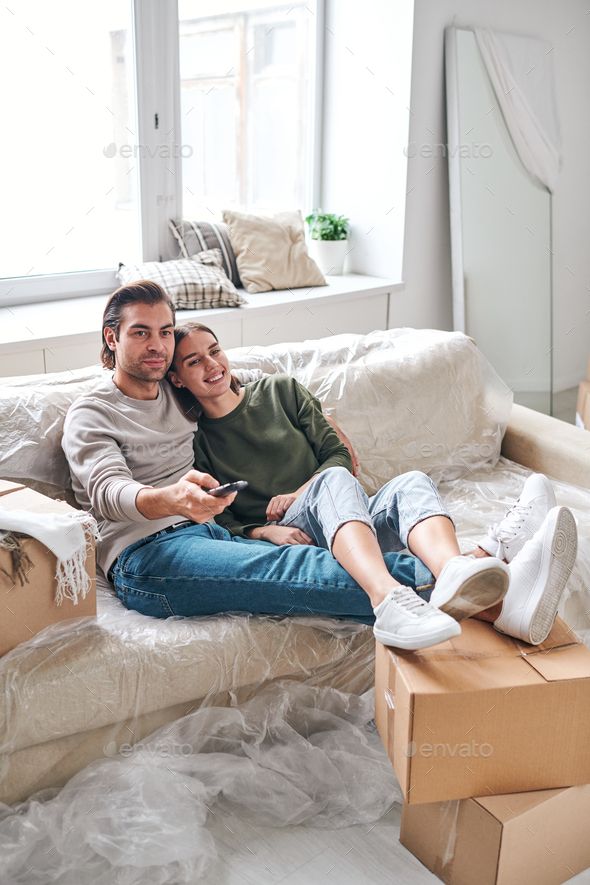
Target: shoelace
(408, 599)
(508, 527)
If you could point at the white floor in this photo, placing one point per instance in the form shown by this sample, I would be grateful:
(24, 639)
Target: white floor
(304, 856)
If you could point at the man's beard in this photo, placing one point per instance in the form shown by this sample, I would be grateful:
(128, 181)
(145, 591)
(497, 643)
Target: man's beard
(142, 372)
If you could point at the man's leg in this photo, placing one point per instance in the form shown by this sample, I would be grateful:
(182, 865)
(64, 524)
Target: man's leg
(202, 570)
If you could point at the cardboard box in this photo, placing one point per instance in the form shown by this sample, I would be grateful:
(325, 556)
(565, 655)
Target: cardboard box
(583, 405)
(485, 714)
(27, 609)
(538, 837)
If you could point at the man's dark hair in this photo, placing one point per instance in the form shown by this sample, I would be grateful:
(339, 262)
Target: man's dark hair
(142, 292)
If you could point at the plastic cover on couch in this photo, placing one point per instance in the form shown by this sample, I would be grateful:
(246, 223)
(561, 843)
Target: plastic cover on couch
(269, 717)
(409, 399)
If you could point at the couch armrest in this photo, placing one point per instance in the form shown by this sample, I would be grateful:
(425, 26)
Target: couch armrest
(547, 445)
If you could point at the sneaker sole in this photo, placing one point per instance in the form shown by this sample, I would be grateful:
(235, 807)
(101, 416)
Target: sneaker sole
(556, 567)
(423, 641)
(477, 593)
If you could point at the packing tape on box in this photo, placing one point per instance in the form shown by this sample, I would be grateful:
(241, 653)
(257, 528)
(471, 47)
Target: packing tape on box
(389, 698)
(453, 655)
(446, 850)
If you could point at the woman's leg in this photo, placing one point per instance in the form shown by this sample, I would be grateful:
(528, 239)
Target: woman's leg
(408, 512)
(334, 511)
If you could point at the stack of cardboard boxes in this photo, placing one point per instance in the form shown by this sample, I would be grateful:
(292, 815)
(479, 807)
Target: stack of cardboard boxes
(583, 407)
(489, 739)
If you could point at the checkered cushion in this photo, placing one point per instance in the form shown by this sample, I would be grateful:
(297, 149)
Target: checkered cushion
(194, 283)
(196, 236)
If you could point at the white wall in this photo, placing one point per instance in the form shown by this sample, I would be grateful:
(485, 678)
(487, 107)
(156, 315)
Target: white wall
(366, 97)
(426, 300)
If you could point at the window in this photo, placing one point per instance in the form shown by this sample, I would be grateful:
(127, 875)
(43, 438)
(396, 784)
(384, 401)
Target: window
(69, 172)
(128, 112)
(247, 102)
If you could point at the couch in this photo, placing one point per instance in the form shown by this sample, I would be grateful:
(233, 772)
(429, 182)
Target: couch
(422, 399)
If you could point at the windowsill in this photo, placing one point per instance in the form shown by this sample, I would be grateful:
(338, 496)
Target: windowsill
(51, 323)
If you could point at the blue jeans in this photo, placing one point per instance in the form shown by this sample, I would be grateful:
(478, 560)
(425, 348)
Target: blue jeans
(190, 569)
(334, 497)
(203, 570)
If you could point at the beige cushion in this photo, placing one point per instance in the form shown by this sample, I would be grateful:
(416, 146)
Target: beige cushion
(271, 252)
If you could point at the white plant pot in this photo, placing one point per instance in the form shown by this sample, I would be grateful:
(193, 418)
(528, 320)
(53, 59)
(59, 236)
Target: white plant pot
(329, 255)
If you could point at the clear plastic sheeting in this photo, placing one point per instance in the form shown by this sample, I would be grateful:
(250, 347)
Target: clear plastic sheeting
(410, 399)
(294, 754)
(126, 728)
(82, 687)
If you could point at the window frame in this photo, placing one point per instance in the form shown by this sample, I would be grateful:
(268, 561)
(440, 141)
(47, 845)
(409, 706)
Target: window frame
(157, 75)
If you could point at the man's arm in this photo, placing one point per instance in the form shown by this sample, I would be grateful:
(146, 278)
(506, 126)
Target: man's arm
(356, 466)
(99, 466)
(187, 497)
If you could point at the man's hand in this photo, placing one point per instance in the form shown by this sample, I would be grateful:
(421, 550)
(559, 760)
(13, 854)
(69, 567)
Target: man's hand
(278, 506)
(188, 497)
(279, 535)
(356, 465)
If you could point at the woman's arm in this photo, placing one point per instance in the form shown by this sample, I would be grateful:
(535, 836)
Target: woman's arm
(327, 447)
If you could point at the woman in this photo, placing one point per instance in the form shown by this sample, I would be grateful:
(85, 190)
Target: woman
(273, 434)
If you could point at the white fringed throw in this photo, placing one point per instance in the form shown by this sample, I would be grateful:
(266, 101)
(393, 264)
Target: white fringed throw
(65, 534)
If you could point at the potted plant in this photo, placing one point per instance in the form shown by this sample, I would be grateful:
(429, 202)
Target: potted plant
(329, 240)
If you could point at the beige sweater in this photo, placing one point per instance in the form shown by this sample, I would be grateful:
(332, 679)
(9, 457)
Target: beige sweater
(115, 446)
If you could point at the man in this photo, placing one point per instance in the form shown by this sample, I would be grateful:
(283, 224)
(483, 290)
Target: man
(129, 447)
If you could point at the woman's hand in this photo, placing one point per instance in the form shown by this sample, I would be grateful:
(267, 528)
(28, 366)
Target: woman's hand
(279, 535)
(278, 506)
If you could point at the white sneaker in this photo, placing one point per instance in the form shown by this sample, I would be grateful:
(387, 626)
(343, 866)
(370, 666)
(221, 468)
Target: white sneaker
(468, 585)
(522, 520)
(406, 621)
(538, 576)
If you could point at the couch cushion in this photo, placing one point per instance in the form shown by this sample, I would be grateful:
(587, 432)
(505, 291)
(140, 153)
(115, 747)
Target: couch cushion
(271, 252)
(408, 399)
(196, 283)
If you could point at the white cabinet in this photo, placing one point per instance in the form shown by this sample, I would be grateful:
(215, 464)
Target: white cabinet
(315, 319)
(60, 358)
(226, 324)
(66, 334)
(26, 362)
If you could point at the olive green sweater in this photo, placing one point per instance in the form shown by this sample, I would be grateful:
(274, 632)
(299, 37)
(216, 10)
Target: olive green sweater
(276, 438)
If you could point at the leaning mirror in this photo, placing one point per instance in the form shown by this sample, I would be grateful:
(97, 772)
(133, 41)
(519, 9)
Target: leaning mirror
(503, 152)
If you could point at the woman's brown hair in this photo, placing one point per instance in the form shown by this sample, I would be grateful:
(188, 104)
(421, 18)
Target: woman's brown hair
(188, 403)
